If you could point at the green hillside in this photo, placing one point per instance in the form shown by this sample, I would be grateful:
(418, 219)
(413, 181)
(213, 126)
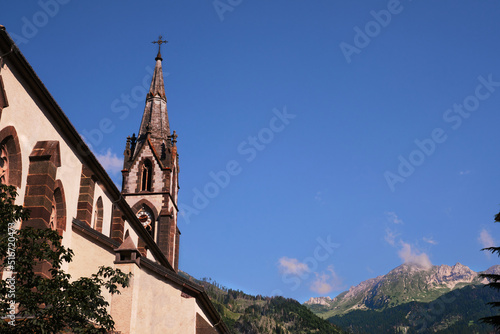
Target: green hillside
(247, 314)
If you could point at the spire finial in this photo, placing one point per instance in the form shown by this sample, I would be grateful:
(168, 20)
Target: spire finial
(159, 42)
(174, 138)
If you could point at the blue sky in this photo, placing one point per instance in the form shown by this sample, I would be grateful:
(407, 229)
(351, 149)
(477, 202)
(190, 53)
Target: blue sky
(321, 143)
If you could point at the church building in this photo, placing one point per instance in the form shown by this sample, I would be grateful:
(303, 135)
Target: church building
(66, 189)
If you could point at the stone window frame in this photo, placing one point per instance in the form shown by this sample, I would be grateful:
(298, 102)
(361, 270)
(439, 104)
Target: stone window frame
(60, 202)
(141, 244)
(98, 215)
(147, 206)
(86, 195)
(117, 224)
(146, 180)
(10, 142)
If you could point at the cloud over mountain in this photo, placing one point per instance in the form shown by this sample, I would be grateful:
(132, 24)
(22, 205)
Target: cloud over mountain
(409, 254)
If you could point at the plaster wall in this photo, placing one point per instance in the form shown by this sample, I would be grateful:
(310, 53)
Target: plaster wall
(153, 305)
(88, 258)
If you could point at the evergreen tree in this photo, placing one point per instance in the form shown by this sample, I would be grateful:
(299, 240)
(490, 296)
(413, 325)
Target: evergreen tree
(494, 284)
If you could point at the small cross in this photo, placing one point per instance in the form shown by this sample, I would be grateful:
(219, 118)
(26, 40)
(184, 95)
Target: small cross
(159, 42)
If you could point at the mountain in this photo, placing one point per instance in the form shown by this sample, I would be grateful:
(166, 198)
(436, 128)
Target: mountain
(410, 299)
(404, 284)
(247, 314)
(454, 312)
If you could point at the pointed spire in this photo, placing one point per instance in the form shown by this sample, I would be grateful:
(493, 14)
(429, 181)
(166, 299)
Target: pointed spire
(155, 123)
(157, 88)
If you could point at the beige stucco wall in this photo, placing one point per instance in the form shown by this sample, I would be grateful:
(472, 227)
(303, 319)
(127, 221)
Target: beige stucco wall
(88, 258)
(153, 305)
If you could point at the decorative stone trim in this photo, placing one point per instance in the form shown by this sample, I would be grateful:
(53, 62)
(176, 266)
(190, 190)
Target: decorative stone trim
(41, 183)
(141, 246)
(117, 225)
(47, 151)
(9, 139)
(86, 197)
(144, 202)
(40, 187)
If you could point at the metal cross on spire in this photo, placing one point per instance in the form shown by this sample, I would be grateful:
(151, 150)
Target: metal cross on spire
(159, 42)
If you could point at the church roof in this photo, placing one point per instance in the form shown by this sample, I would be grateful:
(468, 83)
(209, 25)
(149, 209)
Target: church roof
(127, 245)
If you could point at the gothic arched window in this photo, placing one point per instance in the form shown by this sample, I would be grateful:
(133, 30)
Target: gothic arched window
(53, 216)
(10, 157)
(4, 165)
(98, 215)
(147, 175)
(60, 206)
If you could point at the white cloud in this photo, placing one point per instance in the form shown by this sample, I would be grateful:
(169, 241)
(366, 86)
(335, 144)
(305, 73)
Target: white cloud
(320, 197)
(430, 241)
(326, 282)
(464, 172)
(292, 266)
(111, 163)
(393, 218)
(486, 239)
(409, 255)
(390, 236)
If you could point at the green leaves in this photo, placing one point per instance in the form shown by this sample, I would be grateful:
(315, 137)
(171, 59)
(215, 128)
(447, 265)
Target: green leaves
(48, 304)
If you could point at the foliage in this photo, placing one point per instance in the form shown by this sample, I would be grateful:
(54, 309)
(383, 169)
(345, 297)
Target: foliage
(247, 314)
(494, 280)
(31, 303)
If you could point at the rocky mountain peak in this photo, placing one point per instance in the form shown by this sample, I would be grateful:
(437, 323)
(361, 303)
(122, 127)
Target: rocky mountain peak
(495, 270)
(405, 283)
(319, 301)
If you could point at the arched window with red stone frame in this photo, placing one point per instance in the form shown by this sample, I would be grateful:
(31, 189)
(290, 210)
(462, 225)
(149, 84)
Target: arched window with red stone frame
(10, 157)
(60, 208)
(98, 215)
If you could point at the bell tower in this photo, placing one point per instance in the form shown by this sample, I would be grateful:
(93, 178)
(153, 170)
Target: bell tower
(150, 170)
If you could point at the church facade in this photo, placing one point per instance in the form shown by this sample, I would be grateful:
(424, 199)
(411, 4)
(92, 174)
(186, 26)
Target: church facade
(66, 189)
